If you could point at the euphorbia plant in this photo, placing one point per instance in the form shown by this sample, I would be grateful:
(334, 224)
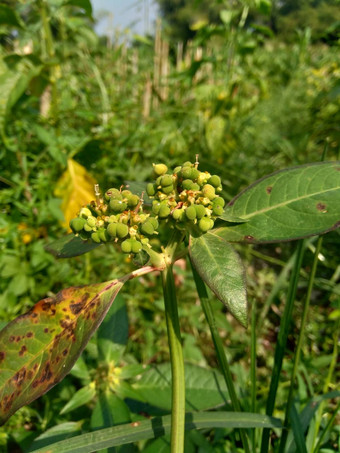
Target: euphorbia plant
(184, 210)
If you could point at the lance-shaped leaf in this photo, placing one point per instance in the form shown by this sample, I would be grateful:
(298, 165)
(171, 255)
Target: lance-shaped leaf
(70, 246)
(221, 268)
(39, 348)
(289, 204)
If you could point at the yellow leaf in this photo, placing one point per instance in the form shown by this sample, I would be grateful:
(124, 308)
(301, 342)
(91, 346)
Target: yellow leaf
(75, 188)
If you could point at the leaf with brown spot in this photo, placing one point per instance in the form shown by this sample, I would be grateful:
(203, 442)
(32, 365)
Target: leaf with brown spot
(39, 348)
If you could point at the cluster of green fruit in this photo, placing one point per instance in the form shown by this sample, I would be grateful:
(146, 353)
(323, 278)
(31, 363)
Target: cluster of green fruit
(119, 218)
(188, 197)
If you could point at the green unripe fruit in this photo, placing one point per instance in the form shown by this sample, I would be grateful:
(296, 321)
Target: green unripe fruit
(113, 193)
(215, 181)
(217, 210)
(126, 246)
(103, 235)
(178, 214)
(156, 206)
(187, 184)
(150, 189)
(87, 228)
(122, 230)
(205, 224)
(118, 205)
(218, 201)
(195, 173)
(126, 194)
(160, 169)
(187, 164)
(195, 187)
(133, 201)
(209, 191)
(112, 229)
(168, 189)
(95, 237)
(200, 211)
(164, 212)
(154, 222)
(177, 170)
(85, 212)
(91, 221)
(84, 235)
(166, 180)
(77, 224)
(136, 246)
(147, 228)
(190, 213)
(186, 173)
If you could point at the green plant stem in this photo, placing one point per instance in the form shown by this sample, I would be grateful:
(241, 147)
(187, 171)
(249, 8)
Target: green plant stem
(253, 367)
(297, 355)
(222, 359)
(282, 340)
(176, 352)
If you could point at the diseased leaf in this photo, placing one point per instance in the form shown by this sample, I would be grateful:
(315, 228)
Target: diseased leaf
(39, 348)
(75, 188)
(286, 205)
(70, 246)
(220, 267)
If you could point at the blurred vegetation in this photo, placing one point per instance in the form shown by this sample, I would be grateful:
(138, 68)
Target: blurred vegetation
(249, 99)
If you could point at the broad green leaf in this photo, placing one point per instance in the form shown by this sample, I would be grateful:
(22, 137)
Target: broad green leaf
(220, 267)
(81, 397)
(70, 246)
(55, 434)
(158, 426)
(204, 388)
(39, 348)
(287, 205)
(109, 411)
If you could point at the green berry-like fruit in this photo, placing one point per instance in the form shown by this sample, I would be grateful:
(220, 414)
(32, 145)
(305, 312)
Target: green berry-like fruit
(215, 181)
(160, 169)
(164, 212)
(126, 246)
(195, 187)
(190, 212)
(209, 191)
(178, 214)
(218, 201)
(85, 212)
(103, 235)
(186, 172)
(91, 221)
(87, 228)
(126, 193)
(154, 222)
(77, 224)
(112, 229)
(200, 211)
(205, 224)
(113, 193)
(95, 237)
(187, 164)
(156, 206)
(147, 228)
(217, 210)
(133, 201)
(187, 184)
(122, 230)
(150, 189)
(136, 246)
(118, 205)
(166, 180)
(168, 189)
(195, 173)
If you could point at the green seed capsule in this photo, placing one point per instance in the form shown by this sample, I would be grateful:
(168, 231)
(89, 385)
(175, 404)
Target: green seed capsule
(187, 184)
(77, 224)
(87, 228)
(95, 237)
(160, 169)
(178, 214)
(166, 180)
(190, 213)
(147, 228)
(217, 210)
(126, 246)
(205, 224)
(209, 191)
(215, 181)
(200, 211)
(85, 212)
(167, 189)
(195, 187)
(113, 193)
(186, 173)
(91, 221)
(218, 201)
(150, 189)
(164, 212)
(195, 173)
(122, 230)
(103, 235)
(177, 170)
(133, 201)
(136, 246)
(118, 205)
(156, 206)
(126, 193)
(154, 222)
(112, 229)
(187, 164)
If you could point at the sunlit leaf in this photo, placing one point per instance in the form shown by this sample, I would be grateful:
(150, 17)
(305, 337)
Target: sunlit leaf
(75, 188)
(221, 269)
(289, 204)
(39, 348)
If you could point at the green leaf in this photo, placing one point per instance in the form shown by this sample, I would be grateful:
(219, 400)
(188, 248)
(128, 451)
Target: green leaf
(287, 205)
(158, 426)
(39, 348)
(83, 4)
(297, 430)
(55, 434)
(109, 411)
(9, 17)
(220, 267)
(70, 246)
(204, 388)
(81, 397)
